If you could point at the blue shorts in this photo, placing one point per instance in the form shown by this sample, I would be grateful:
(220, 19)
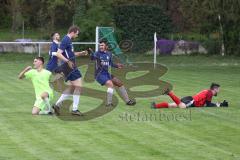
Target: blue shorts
(50, 69)
(102, 78)
(75, 74)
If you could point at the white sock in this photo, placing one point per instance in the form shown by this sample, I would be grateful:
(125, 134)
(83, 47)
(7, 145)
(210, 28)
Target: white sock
(46, 100)
(62, 98)
(124, 94)
(109, 95)
(76, 99)
(43, 112)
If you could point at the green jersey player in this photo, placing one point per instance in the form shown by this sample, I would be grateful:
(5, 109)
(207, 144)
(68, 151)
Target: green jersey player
(40, 80)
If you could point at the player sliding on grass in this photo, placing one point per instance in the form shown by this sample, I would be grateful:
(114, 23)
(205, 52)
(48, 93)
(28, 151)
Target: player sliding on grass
(201, 99)
(103, 61)
(40, 79)
(67, 55)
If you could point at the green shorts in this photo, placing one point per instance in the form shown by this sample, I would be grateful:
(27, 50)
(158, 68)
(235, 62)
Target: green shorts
(40, 103)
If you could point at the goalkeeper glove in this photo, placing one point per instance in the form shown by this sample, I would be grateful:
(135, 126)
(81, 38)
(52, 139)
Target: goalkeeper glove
(224, 104)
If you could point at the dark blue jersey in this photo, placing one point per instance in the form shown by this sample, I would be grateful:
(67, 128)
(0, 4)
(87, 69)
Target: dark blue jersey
(53, 60)
(67, 48)
(103, 62)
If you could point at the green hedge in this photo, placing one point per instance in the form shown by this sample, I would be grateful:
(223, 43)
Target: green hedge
(139, 22)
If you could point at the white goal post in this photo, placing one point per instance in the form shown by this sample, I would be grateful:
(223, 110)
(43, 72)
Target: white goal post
(155, 49)
(96, 39)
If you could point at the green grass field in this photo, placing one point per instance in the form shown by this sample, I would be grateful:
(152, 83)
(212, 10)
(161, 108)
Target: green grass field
(204, 133)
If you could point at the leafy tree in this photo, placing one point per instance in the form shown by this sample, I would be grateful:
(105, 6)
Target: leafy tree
(51, 9)
(16, 14)
(91, 14)
(203, 16)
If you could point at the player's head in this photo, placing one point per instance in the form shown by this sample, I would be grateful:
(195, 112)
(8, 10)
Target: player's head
(215, 88)
(38, 62)
(103, 46)
(73, 31)
(55, 36)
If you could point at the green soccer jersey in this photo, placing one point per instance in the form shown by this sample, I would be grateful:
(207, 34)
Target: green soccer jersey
(40, 81)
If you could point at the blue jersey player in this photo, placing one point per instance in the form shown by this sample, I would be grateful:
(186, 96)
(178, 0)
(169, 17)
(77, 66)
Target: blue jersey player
(67, 55)
(53, 62)
(104, 61)
(53, 59)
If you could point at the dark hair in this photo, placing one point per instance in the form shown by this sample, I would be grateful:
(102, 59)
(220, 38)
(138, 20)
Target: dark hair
(73, 29)
(214, 85)
(52, 35)
(40, 58)
(104, 41)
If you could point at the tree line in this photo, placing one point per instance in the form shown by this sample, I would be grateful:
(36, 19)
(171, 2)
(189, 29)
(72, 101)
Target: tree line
(216, 17)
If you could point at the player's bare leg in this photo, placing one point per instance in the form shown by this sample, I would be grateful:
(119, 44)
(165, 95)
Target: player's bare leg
(174, 105)
(182, 105)
(123, 91)
(109, 85)
(46, 109)
(45, 97)
(167, 105)
(58, 80)
(35, 110)
(67, 93)
(77, 84)
(175, 98)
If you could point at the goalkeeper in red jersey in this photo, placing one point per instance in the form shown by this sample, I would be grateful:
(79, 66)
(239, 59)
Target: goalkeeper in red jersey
(201, 99)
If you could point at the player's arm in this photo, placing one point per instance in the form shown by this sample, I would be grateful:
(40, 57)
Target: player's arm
(222, 104)
(61, 57)
(209, 101)
(21, 74)
(210, 104)
(53, 50)
(93, 55)
(82, 53)
(115, 65)
(64, 44)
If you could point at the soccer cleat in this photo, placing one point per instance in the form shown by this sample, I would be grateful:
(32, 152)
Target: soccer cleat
(131, 102)
(77, 113)
(153, 105)
(56, 109)
(109, 105)
(50, 113)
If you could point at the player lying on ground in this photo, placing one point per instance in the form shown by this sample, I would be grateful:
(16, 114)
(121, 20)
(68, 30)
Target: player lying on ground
(66, 54)
(201, 99)
(103, 60)
(40, 79)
